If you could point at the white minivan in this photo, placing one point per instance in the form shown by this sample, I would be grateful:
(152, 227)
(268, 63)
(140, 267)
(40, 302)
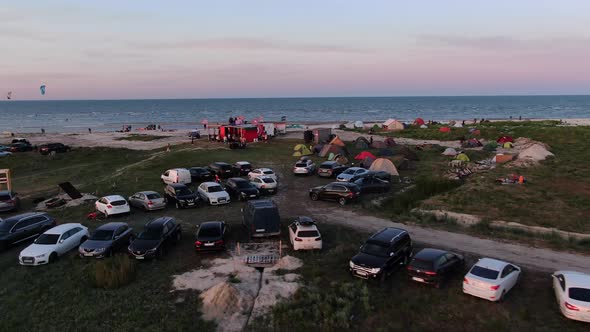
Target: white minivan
(176, 175)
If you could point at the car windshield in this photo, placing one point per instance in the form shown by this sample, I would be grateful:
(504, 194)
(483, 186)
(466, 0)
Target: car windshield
(150, 234)
(374, 249)
(47, 239)
(268, 180)
(245, 166)
(301, 165)
(421, 264)
(183, 192)
(214, 189)
(482, 272)
(243, 184)
(153, 196)
(349, 171)
(579, 294)
(6, 226)
(209, 232)
(118, 203)
(308, 234)
(4, 197)
(268, 172)
(224, 167)
(102, 235)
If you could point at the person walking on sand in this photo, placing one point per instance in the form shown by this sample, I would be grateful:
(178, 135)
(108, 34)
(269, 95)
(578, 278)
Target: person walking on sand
(90, 130)
(168, 148)
(42, 131)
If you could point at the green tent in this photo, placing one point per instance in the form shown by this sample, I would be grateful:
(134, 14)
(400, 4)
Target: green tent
(301, 150)
(462, 156)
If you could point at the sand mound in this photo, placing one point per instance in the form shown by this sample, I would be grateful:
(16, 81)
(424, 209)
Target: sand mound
(530, 152)
(86, 198)
(225, 303)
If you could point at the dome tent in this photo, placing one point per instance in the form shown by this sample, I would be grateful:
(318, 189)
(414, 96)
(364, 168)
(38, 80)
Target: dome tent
(301, 150)
(384, 165)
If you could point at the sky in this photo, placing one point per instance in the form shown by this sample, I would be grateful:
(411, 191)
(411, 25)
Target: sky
(264, 48)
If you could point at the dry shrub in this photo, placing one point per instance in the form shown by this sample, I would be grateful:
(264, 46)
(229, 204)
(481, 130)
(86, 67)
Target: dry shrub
(113, 272)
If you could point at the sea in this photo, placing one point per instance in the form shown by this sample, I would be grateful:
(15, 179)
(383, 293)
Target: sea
(109, 115)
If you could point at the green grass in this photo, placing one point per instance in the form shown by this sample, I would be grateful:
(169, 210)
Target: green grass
(141, 137)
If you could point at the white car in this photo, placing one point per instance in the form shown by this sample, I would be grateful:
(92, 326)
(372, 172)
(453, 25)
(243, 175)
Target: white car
(304, 166)
(262, 172)
(265, 184)
(491, 279)
(213, 193)
(350, 173)
(5, 154)
(572, 292)
(54, 243)
(304, 234)
(113, 204)
(176, 175)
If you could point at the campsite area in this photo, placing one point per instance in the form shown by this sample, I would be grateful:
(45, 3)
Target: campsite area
(556, 195)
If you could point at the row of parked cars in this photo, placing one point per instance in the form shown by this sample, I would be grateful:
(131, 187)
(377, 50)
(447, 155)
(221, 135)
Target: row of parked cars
(23, 145)
(490, 279)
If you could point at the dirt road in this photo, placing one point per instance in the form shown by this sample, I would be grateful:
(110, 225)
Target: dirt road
(536, 258)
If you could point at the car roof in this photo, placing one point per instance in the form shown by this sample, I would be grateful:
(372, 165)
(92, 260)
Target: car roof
(429, 254)
(147, 192)
(492, 264)
(158, 222)
(211, 224)
(329, 162)
(311, 227)
(575, 279)
(238, 179)
(262, 203)
(220, 163)
(60, 229)
(177, 185)
(114, 198)
(346, 184)
(242, 163)
(210, 184)
(25, 215)
(266, 177)
(199, 167)
(388, 234)
(355, 168)
(5, 192)
(178, 169)
(111, 226)
(265, 169)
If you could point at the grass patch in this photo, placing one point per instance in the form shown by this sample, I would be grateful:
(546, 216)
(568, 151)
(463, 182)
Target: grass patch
(423, 188)
(113, 272)
(141, 137)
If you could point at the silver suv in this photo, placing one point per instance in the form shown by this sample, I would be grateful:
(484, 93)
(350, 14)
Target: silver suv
(8, 200)
(304, 166)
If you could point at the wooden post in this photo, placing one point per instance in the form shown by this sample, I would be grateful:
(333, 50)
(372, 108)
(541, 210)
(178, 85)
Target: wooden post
(5, 180)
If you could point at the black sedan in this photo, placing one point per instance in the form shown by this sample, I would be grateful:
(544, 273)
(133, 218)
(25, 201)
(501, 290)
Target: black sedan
(373, 174)
(434, 266)
(342, 192)
(46, 149)
(156, 236)
(200, 174)
(20, 147)
(107, 239)
(221, 168)
(211, 236)
(372, 185)
(242, 189)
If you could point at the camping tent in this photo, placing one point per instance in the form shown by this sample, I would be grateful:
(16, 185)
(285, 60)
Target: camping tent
(458, 125)
(392, 124)
(384, 165)
(505, 139)
(329, 148)
(445, 130)
(337, 141)
(361, 143)
(450, 152)
(378, 145)
(507, 145)
(385, 152)
(462, 156)
(341, 159)
(419, 121)
(364, 155)
(358, 124)
(472, 143)
(502, 158)
(301, 150)
(367, 162)
(389, 141)
(317, 148)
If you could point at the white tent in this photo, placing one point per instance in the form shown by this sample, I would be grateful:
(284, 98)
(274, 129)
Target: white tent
(392, 124)
(358, 124)
(450, 152)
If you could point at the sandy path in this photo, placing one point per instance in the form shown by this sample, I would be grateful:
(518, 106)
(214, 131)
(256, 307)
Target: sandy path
(536, 258)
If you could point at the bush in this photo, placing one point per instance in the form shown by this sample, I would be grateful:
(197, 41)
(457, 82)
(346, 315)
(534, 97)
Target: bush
(423, 189)
(491, 146)
(113, 272)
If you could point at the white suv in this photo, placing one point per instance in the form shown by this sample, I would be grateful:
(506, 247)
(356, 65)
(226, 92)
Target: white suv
(262, 172)
(113, 204)
(304, 234)
(304, 166)
(213, 193)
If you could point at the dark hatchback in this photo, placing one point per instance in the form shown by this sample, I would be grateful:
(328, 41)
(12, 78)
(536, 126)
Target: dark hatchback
(106, 240)
(200, 174)
(24, 226)
(373, 174)
(241, 188)
(20, 147)
(181, 195)
(220, 168)
(242, 168)
(45, 149)
(330, 169)
(372, 185)
(342, 192)
(434, 266)
(157, 235)
(210, 236)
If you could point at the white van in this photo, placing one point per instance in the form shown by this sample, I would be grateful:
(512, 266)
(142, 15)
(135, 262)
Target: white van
(176, 175)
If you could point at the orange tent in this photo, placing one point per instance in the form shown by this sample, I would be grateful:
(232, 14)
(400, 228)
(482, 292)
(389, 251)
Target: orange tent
(445, 130)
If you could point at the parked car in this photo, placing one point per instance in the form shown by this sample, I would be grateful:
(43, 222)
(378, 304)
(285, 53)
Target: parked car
(261, 218)
(9, 200)
(242, 189)
(200, 174)
(106, 240)
(331, 169)
(5, 154)
(373, 174)
(147, 200)
(53, 243)
(20, 147)
(4, 148)
(222, 169)
(157, 235)
(304, 234)
(491, 279)
(382, 253)
(342, 192)
(265, 184)
(20, 140)
(111, 205)
(372, 185)
(304, 166)
(194, 134)
(241, 168)
(572, 292)
(434, 266)
(213, 193)
(45, 149)
(181, 195)
(210, 236)
(176, 175)
(351, 172)
(23, 227)
(262, 172)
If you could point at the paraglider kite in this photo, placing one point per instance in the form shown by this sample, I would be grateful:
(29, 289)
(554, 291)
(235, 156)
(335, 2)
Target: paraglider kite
(9, 95)
(42, 89)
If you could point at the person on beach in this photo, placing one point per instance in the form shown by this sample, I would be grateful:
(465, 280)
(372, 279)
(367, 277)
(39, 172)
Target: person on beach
(463, 123)
(90, 130)
(370, 140)
(42, 131)
(168, 148)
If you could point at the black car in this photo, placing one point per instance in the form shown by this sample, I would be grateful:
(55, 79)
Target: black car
(261, 218)
(342, 192)
(45, 149)
(221, 169)
(181, 195)
(434, 266)
(200, 174)
(20, 147)
(331, 169)
(242, 168)
(24, 226)
(156, 236)
(382, 253)
(241, 188)
(106, 240)
(211, 236)
(372, 185)
(373, 174)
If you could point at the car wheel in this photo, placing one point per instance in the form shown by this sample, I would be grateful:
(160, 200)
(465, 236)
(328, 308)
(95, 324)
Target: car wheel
(314, 197)
(52, 257)
(502, 297)
(342, 201)
(178, 205)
